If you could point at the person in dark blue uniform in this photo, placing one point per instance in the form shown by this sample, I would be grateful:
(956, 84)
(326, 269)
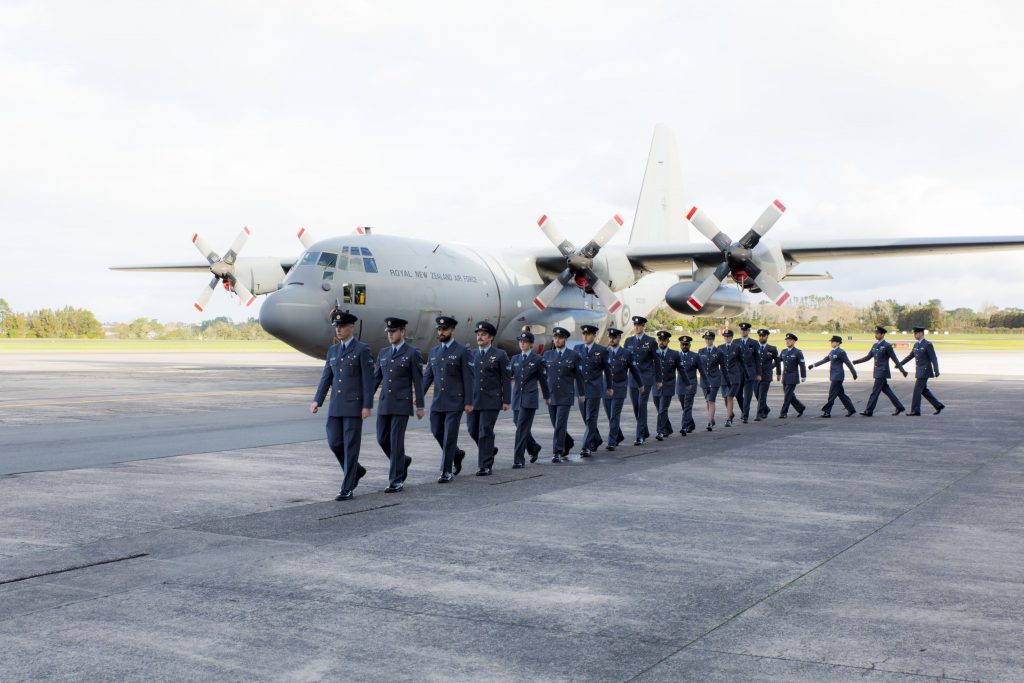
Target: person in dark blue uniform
(881, 353)
(449, 369)
(748, 358)
(528, 374)
(593, 359)
(836, 359)
(665, 387)
(767, 361)
(492, 392)
(564, 383)
(348, 375)
(791, 370)
(621, 367)
(713, 374)
(735, 372)
(399, 374)
(686, 382)
(643, 348)
(927, 364)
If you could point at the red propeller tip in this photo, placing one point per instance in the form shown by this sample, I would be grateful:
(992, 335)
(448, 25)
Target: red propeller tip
(301, 230)
(615, 306)
(694, 304)
(247, 231)
(778, 205)
(782, 299)
(359, 229)
(251, 299)
(618, 219)
(541, 220)
(689, 216)
(195, 237)
(538, 304)
(198, 307)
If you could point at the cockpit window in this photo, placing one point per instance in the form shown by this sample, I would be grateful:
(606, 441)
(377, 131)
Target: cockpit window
(370, 265)
(328, 275)
(309, 258)
(366, 252)
(355, 263)
(327, 260)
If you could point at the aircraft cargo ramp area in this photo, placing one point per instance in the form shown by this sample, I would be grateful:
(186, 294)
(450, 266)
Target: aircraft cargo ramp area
(172, 517)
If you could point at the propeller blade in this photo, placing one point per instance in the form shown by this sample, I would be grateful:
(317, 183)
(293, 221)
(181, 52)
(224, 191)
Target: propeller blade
(306, 239)
(708, 287)
(236, 246)
(204, 249)
(707, 227)
(602, 237)
(771, 287)
(554, 288)
(557, 237)
(608, 298)
(243, 292)
(204, 296)
(763, 224)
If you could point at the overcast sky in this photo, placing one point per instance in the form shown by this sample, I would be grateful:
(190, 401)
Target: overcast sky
(125, 127)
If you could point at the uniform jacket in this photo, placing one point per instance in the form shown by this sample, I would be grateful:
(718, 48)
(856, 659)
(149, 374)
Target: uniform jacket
(644, 356)
(733, 356)
(837, 358)
(791, 360)
(621, 366)
(492, 382)
(712, 368)
(667, 373)
(924, 357)
(689, 362)
(529, 373)
(348, 376)
(451, 373)
(594, 369)
(748, 357)
(564, 378)
(400, 378)
(881, 351)
(767, 359)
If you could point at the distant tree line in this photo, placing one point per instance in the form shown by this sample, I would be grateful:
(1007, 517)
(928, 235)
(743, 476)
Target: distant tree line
(63, 323)
(217, 328)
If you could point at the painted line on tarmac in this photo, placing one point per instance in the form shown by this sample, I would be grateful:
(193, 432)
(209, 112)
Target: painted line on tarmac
(153, 397)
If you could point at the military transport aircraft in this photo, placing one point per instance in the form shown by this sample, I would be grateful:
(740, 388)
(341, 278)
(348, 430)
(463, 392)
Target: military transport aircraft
(377, 275)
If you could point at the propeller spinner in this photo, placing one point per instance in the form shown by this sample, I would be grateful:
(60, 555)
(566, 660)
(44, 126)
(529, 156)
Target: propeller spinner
(223, 269)
(579, 264)
(738, 260)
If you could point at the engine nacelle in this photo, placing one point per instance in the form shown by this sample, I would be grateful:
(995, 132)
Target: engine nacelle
(725, 302)
(612, 266)
(261, 274)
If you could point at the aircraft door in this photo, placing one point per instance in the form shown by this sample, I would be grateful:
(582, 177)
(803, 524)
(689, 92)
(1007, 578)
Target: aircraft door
(425, 326)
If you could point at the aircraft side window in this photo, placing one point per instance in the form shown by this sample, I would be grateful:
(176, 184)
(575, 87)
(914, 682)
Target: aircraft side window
(346, 294)
(328, 260)
(360, 294)
(355, 264)
(309, 258)
(344, 250)
(370, 265)
(328, 275)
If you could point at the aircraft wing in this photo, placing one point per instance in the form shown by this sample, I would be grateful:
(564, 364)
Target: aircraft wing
(286, 264)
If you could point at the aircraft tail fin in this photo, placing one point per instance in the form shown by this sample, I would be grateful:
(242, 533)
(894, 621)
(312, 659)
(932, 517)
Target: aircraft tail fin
(660, 214)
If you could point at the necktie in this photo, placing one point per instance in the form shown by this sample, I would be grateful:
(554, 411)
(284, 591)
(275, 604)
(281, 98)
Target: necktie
(482, 353)
(394, 350)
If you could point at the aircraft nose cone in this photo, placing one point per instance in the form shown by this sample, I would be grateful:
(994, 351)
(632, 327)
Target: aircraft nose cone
(298, 318)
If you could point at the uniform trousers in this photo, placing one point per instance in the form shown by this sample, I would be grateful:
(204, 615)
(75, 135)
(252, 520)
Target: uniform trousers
(835, 390)
(559, 420)
(686, 400)
(789, 398)
(613, 410)
(921, 389)
(881, 386)
(524, 435)
(444, 425)
(746, 396)
(640, 401)
(391, 439)
(481, 430)
(590, 411)
(343, 436)
(663, 403)
(762, 397)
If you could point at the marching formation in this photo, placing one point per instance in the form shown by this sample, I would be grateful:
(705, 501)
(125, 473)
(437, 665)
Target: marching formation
(480, 383)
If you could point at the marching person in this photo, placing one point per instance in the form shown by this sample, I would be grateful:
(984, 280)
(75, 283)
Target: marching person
(791, 370)
(492, 391)
(665, 388)
(399, 374)
(836, 359)
(735, 372)
(927, 365)
(686, 384)
(449, 368)
(348, 375)
(593, 360)
(767, 361)
(564, 379)
(643, 348)
(881, 352)
(748, 358)
(528, 373)
(713, 374)
(621, 367)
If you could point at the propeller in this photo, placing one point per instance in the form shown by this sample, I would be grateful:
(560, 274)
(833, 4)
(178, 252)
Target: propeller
(223, 269)
(579, 264)
(738, 257)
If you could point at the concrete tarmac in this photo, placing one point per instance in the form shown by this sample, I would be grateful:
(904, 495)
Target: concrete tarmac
(884, 548)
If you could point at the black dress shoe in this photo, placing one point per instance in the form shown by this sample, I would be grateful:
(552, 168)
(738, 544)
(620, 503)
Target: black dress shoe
(459, 456)
(359, 475)
(782, 417)
(826, 415)
(850, 412)
(710, 428)
(533, 457)
(865, 413)
(757, 419)
(659, 437)
(557, 458)
(682, 432)
(408, 461)
(690, 429)
(344, 495)
(743, 420)
(495, 451)
(800, 413)
(585, 453)
(444, 479)
(569, 443)
(899, 410)
(728, 422)
(483, 472)
(638, 442)
(518, 466)
(393, 488)
(938, 410)
(913, 414)
(609, 447)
